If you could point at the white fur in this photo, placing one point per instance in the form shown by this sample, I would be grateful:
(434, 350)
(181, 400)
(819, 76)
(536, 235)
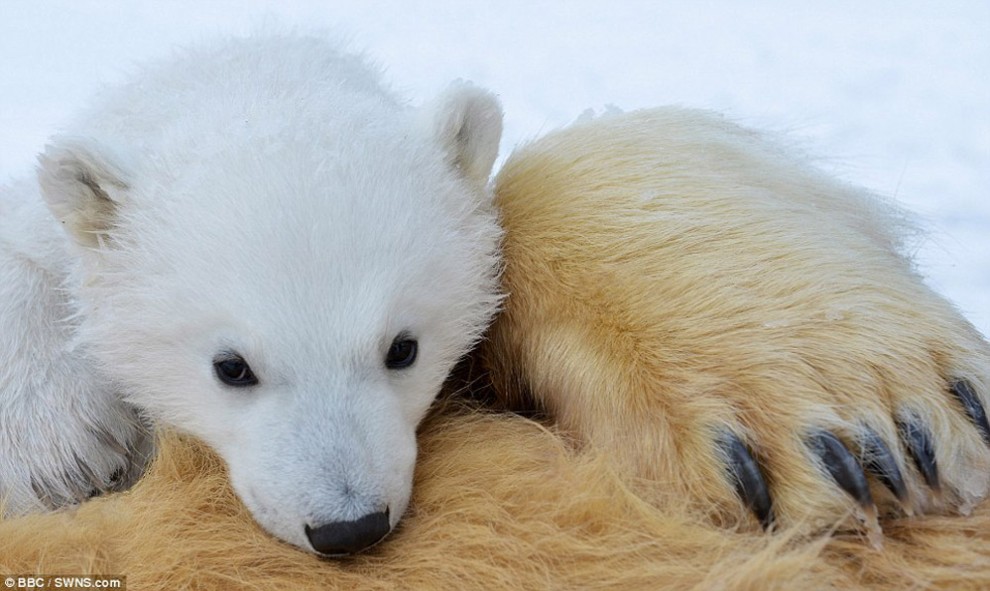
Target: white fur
(265, 196)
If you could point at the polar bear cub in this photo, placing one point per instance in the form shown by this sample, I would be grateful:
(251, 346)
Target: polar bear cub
(258, 243)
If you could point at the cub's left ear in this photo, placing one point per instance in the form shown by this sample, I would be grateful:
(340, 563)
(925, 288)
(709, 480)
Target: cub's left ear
(467, 123)
(83, 183)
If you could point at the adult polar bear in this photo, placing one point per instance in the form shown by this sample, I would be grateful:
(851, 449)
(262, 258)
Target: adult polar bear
(270, 252)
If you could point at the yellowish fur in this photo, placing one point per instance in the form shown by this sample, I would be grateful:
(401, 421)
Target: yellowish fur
(653, 301)
(672, 276)
(500, 503)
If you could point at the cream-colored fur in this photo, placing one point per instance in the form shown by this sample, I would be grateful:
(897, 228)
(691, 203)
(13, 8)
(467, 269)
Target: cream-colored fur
(673, 277)
(670, 276)
(500, 503)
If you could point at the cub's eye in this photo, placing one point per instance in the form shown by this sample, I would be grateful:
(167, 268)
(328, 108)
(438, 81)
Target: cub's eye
(402, 353)
(234, 371)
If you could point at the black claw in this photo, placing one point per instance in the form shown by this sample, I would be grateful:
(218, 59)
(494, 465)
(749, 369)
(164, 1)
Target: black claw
(842, 466)
(879, 461)
(963, 390)
(117, 479)
(750, 484)
(919, 445)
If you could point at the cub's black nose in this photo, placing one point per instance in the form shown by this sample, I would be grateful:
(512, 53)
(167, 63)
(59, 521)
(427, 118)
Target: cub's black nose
(347, 537)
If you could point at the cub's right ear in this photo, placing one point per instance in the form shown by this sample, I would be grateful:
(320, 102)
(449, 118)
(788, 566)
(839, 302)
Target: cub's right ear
(83, 183)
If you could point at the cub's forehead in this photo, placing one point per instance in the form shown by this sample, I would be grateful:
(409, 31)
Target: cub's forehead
(311, 224)
(303, 224)
(371, 151)
(324, 183)
(298, 212)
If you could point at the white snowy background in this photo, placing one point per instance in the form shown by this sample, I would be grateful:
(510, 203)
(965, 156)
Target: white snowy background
(894, 95)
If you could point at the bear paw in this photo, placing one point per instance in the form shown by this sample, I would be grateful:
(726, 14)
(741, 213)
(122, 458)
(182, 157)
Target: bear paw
(920, 453)
(51, 459)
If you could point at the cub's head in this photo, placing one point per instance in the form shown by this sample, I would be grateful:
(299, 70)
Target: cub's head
(291, 287)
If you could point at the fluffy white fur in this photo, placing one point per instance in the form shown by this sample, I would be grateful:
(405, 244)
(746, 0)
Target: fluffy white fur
(265, 197)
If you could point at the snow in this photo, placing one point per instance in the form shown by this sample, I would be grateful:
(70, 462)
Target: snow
(893, 95)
